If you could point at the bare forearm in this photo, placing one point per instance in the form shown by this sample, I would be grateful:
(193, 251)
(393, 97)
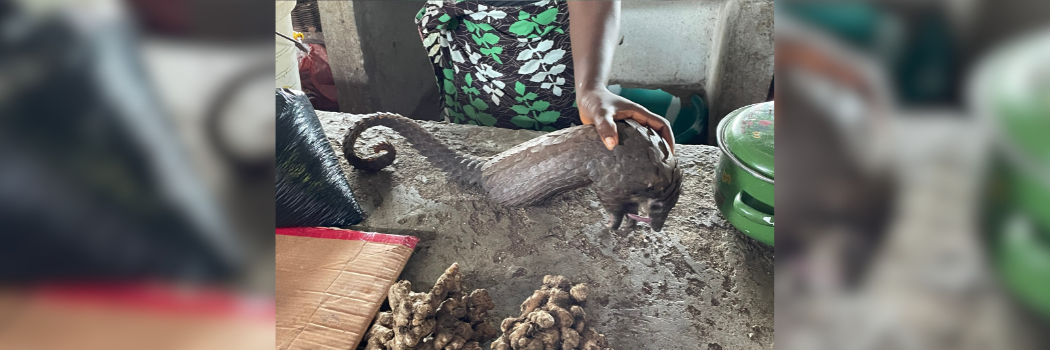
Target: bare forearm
(593, 29)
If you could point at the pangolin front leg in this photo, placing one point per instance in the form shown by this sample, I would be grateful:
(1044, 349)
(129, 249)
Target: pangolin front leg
(629, 209)
(617, 212)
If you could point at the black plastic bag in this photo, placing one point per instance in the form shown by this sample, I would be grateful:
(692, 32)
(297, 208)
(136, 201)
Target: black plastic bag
(94, 183)
(311, 187)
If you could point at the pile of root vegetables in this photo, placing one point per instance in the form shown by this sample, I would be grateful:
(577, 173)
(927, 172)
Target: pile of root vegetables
(444, 318)
(449, 318)
(551, 319)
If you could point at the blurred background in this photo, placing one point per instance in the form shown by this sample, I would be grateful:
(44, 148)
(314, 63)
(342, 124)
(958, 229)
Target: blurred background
(915, 174)
(136, 174)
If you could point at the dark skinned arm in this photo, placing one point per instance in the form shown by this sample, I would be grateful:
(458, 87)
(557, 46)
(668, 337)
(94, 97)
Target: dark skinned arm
(594, 27)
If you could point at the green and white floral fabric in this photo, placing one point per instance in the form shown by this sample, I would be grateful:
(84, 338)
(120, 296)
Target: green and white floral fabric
(503, 66)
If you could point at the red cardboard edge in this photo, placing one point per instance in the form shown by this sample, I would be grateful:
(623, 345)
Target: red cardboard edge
(160, 298)
(349, 235)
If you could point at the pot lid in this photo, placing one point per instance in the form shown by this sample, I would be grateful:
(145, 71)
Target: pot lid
(1015, 89)
(746, 135)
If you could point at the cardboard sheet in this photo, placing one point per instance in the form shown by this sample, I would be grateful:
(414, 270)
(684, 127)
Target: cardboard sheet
(331, 282)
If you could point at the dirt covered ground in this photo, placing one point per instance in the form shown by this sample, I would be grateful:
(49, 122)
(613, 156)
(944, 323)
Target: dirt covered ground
(699, 284)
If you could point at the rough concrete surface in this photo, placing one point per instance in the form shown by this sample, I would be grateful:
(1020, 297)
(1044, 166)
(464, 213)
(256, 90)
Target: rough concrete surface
(741, 68)
(699, 284)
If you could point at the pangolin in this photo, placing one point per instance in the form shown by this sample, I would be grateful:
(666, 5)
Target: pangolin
(639, 172)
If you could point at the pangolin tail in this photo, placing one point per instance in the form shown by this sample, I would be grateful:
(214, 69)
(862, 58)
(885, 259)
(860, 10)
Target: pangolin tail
(459, 166)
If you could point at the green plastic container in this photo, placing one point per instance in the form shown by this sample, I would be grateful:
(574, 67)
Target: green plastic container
(688, 121)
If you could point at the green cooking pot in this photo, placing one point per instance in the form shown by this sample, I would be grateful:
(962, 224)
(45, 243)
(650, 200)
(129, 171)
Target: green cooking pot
(1021, 255)
(744, 177)
(1012, 92)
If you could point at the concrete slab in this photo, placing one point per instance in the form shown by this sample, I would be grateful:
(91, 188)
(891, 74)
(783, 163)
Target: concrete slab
(741, 67)
(699, 284)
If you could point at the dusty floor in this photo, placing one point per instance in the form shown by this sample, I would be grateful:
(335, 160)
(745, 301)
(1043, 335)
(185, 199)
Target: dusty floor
(699, 284)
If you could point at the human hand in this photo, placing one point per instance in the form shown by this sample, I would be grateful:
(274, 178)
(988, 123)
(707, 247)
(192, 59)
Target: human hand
(602, 108)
